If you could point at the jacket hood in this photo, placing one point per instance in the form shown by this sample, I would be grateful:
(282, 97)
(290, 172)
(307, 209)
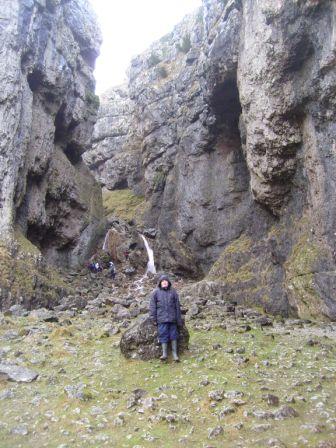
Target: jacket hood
(164, 277)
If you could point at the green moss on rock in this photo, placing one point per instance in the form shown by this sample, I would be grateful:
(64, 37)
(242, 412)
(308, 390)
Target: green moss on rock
(226, 267)
(122, 203)
(300, 268)
(24, 277)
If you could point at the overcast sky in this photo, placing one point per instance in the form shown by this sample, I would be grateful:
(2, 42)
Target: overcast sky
(129, 27)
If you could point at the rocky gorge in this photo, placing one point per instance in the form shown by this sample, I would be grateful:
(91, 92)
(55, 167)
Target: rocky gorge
(226, 128)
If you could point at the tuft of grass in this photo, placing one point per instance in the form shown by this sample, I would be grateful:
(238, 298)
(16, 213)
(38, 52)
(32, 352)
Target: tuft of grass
(92, 99)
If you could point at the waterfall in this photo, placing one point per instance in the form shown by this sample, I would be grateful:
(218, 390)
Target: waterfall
(105, 245)
(150, 253)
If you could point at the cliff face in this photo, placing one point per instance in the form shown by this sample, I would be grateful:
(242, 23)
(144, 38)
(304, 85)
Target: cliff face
(50, 204)
(47, 112)
(230, 125)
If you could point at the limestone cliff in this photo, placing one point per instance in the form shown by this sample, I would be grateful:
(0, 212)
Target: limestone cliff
(48, 197)
(229, 122)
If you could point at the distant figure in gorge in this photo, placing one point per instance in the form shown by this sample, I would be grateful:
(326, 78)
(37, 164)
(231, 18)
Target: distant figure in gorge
(165, 312)
(112, 270)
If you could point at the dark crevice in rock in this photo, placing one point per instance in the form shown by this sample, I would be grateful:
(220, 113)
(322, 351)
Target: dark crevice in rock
(226, 106)
(40, 236)
(73, 153)
(60, 129)
(35, 79)
(121, 185)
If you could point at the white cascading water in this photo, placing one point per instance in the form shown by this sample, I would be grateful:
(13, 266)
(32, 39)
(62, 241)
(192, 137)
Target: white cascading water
(150, 265)
(105, 245)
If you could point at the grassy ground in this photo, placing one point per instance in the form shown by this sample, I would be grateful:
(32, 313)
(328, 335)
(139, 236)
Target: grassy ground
(280, 364)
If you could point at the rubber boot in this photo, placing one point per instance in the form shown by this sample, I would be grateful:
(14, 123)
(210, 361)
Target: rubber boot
(174, 351)
(164, 356)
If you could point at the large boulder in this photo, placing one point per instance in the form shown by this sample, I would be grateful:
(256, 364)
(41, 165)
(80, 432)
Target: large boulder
(141, 340)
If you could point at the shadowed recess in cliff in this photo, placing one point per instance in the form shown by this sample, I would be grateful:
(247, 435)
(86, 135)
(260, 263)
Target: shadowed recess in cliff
(227, 109)
(72, 150)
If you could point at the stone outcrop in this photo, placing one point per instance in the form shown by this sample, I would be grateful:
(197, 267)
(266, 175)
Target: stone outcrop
(231, 133)
(48, 108)
(140, 341)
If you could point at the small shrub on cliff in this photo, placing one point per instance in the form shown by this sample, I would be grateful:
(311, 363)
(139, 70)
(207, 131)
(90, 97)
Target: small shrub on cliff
(92, 99)
(162, 72)
(199, 18)
(159, 181)
(185, 44)
(153, 60)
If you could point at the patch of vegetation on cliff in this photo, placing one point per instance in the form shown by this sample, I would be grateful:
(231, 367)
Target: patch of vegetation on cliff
(153, 60)
(159, 180)
(162, 72)
(24, 276)
(92, 99)
(300, 268)
(122, 203)
(230, 266)
(185, 44)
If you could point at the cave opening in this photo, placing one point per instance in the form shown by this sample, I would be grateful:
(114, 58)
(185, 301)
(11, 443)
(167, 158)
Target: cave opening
(36, 235)
(227, 108)
(73, 153)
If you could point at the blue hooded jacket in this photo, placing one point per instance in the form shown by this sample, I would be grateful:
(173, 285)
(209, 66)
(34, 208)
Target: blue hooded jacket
(164, 304)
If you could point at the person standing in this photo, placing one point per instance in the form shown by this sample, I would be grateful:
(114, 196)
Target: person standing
(112, 270)
(165, 312)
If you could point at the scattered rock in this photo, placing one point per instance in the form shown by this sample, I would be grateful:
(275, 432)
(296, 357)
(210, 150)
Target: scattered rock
(233, 394)
(272, 400)
(286, 412)
(44, 315)
(216, 395)
(6, 394)
(20, 430)
(261, 427)
(226, 410)
(17, 373)
(10, 335)
(135, 397)
(193, 311)
(215, 432)
(17, 310)
(264, 321)
(275, 443)
(130, 271)
(78, 392)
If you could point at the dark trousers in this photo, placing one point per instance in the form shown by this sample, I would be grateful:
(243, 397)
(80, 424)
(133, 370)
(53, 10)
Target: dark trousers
(167, 332)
